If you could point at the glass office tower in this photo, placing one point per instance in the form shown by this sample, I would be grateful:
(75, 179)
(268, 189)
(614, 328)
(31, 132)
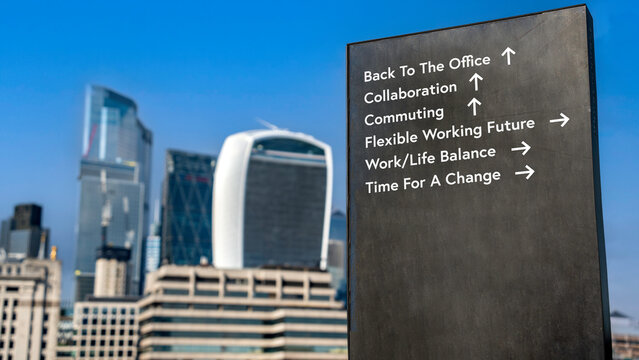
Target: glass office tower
(337, 249)
(272, 200)
(186, 208)
(117, 144)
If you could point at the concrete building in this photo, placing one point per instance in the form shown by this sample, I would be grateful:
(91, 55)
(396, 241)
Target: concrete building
(106, 328)
(187, 195)
(200, 312)
(111, 271)
(30, 307)
(625, 336)
(66, 345)
(272, 200)
(118, 145)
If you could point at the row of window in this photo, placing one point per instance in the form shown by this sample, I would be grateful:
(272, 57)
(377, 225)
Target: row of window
(243, 335)
(104, 322)
(242, 349)
(244, 281)
(103, 332)
(210, 320)
(103, 342)
(102, 354)
(187, 306)
(14, 302)
(105, 311)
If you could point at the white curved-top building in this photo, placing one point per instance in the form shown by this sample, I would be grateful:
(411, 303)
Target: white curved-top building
(272, 200)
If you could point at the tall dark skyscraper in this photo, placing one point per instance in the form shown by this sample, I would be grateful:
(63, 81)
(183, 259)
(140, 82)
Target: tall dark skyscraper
(272, 200)
(22, 236)
(186, 208)
(115, 168)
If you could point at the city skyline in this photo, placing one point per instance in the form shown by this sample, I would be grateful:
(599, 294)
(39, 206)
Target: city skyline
(193, 94)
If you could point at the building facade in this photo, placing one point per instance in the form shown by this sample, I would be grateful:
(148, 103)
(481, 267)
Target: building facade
(625, 336)
(187, 207)
(106, 328)
(200, 312)
(111, 271)
(272, 200)
(115, 142)
(30, 307)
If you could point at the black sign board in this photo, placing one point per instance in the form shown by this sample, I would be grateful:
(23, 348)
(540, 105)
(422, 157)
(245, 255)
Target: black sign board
(475, 225)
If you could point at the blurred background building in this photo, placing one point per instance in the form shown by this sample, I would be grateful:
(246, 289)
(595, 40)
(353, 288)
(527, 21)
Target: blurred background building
(30, 307)
(272, 200)
(625, 336)
(106, 328)
(118, 145)
(153, 247)
(111, 271)
(200, 312)
(187, 207)
(22, 236)
(338, 254)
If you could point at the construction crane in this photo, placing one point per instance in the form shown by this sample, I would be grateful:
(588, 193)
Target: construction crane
(130, 233)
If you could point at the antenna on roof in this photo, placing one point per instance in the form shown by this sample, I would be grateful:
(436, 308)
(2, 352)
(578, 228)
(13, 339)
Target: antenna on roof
(266, 124)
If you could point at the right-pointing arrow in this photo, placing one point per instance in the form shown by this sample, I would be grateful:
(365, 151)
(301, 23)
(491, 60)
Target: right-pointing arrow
(563, 120)
(474, 102)
(524, 148)
(528, 172)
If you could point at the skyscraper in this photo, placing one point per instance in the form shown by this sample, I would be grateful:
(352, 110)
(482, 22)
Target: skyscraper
(272, 200)
(337, 249)
(118, 145)
(186, 208)
(22, 236)
(153, 243)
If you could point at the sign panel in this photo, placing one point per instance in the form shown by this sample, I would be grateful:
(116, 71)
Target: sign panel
(475, 226)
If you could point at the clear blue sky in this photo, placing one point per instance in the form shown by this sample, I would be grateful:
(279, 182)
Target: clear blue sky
(200, 71)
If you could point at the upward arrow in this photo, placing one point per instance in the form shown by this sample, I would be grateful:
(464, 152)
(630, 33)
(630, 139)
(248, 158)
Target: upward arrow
(476, 78)
(508, 52)
(474, 102)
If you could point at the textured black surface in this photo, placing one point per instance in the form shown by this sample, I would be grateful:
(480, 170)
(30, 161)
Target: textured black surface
(511, 270)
